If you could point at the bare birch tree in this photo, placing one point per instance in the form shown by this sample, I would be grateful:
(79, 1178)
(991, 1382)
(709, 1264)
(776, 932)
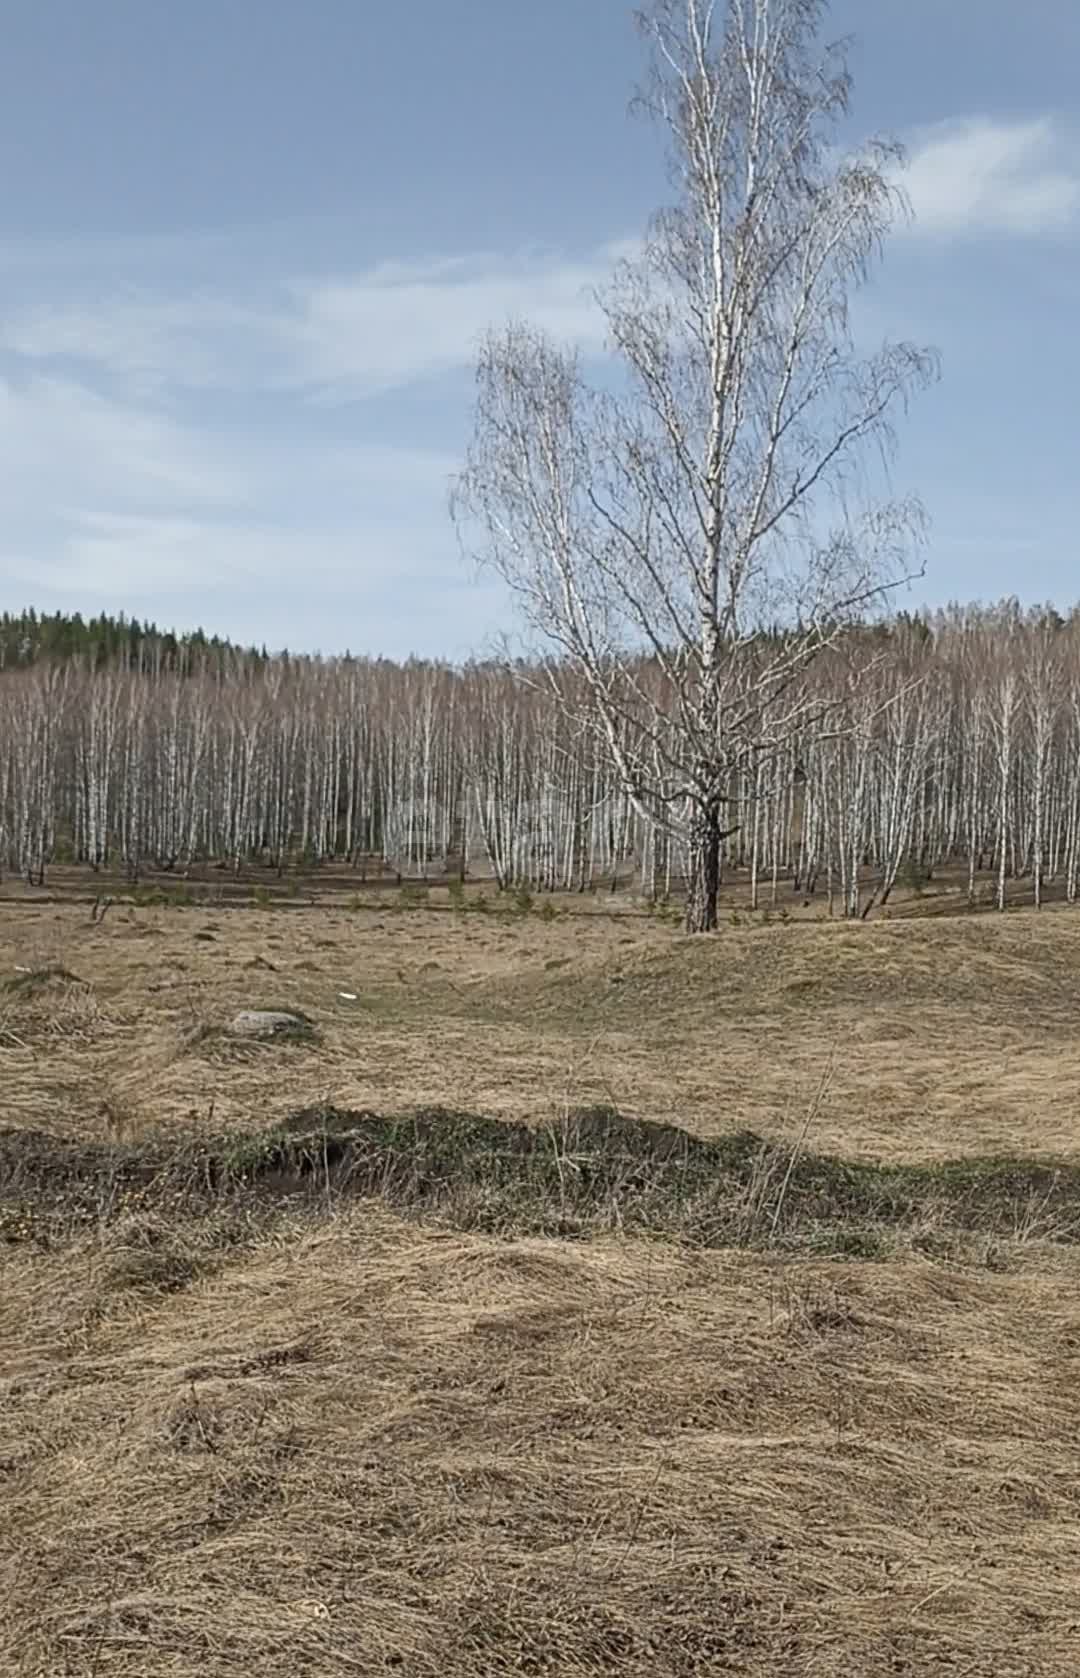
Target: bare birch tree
(714, 486)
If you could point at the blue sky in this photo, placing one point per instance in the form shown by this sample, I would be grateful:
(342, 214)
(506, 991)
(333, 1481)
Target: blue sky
(247, 249)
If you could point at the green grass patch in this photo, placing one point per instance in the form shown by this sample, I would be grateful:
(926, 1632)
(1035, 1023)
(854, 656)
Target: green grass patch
(596, 1171)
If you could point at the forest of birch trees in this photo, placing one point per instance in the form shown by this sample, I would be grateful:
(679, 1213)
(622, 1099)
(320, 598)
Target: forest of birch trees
(951, 741)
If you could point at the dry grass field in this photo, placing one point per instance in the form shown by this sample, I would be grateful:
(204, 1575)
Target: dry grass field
(425, 1404)
(945, 1038)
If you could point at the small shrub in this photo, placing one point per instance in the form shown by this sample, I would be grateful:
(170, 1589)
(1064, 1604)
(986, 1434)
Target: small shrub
(913, 877)
(178, 896)
(412, 896)
(523, 900)
(855, 1242)
(664, 910)
(479, 904)
(456, 893)
(547, 911)
(262, 898)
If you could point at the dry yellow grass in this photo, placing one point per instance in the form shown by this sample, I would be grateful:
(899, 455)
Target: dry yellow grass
(333, 1443)
(950, 1037)
(362, 1448)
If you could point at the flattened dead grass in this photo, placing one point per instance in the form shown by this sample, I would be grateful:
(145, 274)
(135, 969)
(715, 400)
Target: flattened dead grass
(364, 1448)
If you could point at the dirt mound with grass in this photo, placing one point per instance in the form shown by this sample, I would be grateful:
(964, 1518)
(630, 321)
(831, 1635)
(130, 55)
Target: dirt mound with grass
(594, 1171)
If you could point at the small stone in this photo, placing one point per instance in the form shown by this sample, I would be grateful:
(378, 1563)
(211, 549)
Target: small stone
(269, 1022)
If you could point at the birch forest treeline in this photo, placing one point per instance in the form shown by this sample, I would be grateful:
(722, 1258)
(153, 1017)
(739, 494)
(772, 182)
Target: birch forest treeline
(951, 741)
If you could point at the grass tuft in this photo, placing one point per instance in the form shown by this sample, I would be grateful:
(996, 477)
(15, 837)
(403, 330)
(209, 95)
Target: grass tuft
(39, 979)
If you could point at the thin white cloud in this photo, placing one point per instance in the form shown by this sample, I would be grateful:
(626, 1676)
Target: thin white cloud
(118, 555)
(110, 501)
(390, 592)
(394, 326)
(980, 176)
(346, 337)
(61, 440)
(160, 451)
(147, 341)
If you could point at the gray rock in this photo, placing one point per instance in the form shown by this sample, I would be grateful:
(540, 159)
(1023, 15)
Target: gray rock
(269, 1022)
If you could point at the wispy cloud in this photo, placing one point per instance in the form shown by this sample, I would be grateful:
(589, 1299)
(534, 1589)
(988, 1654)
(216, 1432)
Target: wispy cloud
(980, 176)
(347, 337)
(146, 341)
(194, 444)
(113, 501)
(397, 325)
(61, 441)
